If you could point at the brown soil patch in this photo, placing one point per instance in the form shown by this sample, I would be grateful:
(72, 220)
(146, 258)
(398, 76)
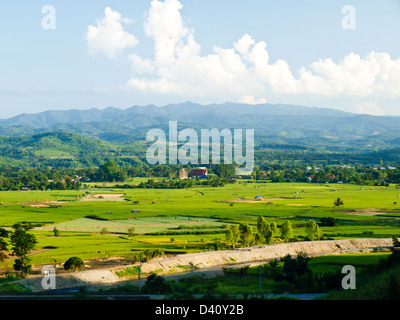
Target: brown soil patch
(361, 212)
(37, 204)
(108, 195)
(255, 200)
(105, 197)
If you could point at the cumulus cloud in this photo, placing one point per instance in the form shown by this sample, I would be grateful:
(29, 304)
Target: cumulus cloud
(242, 73)
(377, 73)
(369, 108)
(252, 100)
(109, 36)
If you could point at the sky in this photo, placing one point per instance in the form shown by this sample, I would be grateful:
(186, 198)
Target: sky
(95, 54)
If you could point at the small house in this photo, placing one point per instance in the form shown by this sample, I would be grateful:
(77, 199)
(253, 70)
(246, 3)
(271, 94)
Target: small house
(199, 173)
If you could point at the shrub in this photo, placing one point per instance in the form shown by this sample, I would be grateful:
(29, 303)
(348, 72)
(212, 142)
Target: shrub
(329, 221)
(73, 263)
(56, 232)
(157, 284)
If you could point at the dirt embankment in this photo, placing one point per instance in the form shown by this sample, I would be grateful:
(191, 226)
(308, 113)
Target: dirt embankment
(204, 260)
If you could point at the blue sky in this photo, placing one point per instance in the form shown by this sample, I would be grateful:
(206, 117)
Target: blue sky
(169, 51)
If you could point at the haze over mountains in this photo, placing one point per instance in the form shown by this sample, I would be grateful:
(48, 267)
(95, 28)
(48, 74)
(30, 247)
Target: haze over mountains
(89, 136)
(287, 121)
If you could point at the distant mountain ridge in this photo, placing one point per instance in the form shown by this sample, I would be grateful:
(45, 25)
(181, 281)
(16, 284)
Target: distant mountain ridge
(179, 111)
(75, 138)
(279, 123)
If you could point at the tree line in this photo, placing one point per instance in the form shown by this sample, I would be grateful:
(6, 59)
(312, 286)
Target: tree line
(268, 233)
(61, 178)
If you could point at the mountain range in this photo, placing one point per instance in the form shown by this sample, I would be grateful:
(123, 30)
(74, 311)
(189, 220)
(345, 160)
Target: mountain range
(266, 119)
(277, 127)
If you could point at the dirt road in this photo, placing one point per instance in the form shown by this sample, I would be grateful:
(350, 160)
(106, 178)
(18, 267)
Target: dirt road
(211, 263)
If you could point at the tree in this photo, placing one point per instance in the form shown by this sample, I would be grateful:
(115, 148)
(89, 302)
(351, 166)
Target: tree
(216, 245)
(329, 221)
(396, 242)
(110, 171)
(103, 231)
(223, 170)
(246, 233)
(272, 269)
(312, 230)
(338, 203)
(73, 263)
(229, 237)
(274, 229)
(295, 268)
(232, 235)
(157, 285)
(264, 229)
(269, 237)
(56, 232)
(131, 232)
(22, 243)
(3, 244)
(286, 231)
(258, 239)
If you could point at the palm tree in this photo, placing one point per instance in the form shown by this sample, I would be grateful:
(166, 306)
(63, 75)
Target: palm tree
(338, 203)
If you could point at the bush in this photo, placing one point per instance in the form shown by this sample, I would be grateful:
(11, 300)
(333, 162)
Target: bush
(73, 263)
(157, 285)
(56, 232)
(329, 222)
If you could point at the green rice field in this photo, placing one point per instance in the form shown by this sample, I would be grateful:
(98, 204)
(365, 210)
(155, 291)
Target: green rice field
(199, 214)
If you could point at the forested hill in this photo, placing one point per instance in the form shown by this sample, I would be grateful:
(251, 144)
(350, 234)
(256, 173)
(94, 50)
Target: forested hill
(279, 123)
(81, 138)
(61, 149)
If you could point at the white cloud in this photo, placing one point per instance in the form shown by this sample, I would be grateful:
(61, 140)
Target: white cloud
(242, 73)
(109, 36)
(369, 108)
(252, 100)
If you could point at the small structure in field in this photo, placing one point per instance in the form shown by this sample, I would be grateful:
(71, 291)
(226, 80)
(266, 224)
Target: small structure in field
(200, 173)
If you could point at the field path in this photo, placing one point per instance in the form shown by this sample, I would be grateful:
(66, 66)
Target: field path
(213, 260)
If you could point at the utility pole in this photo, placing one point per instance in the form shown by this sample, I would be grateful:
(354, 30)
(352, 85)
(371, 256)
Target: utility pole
(260, 277)
(140, 275)
(168, 194)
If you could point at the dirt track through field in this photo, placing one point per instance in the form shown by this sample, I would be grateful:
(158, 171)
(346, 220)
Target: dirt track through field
(197, 262)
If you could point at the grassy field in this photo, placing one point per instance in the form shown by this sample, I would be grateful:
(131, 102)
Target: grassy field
(367, 212)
